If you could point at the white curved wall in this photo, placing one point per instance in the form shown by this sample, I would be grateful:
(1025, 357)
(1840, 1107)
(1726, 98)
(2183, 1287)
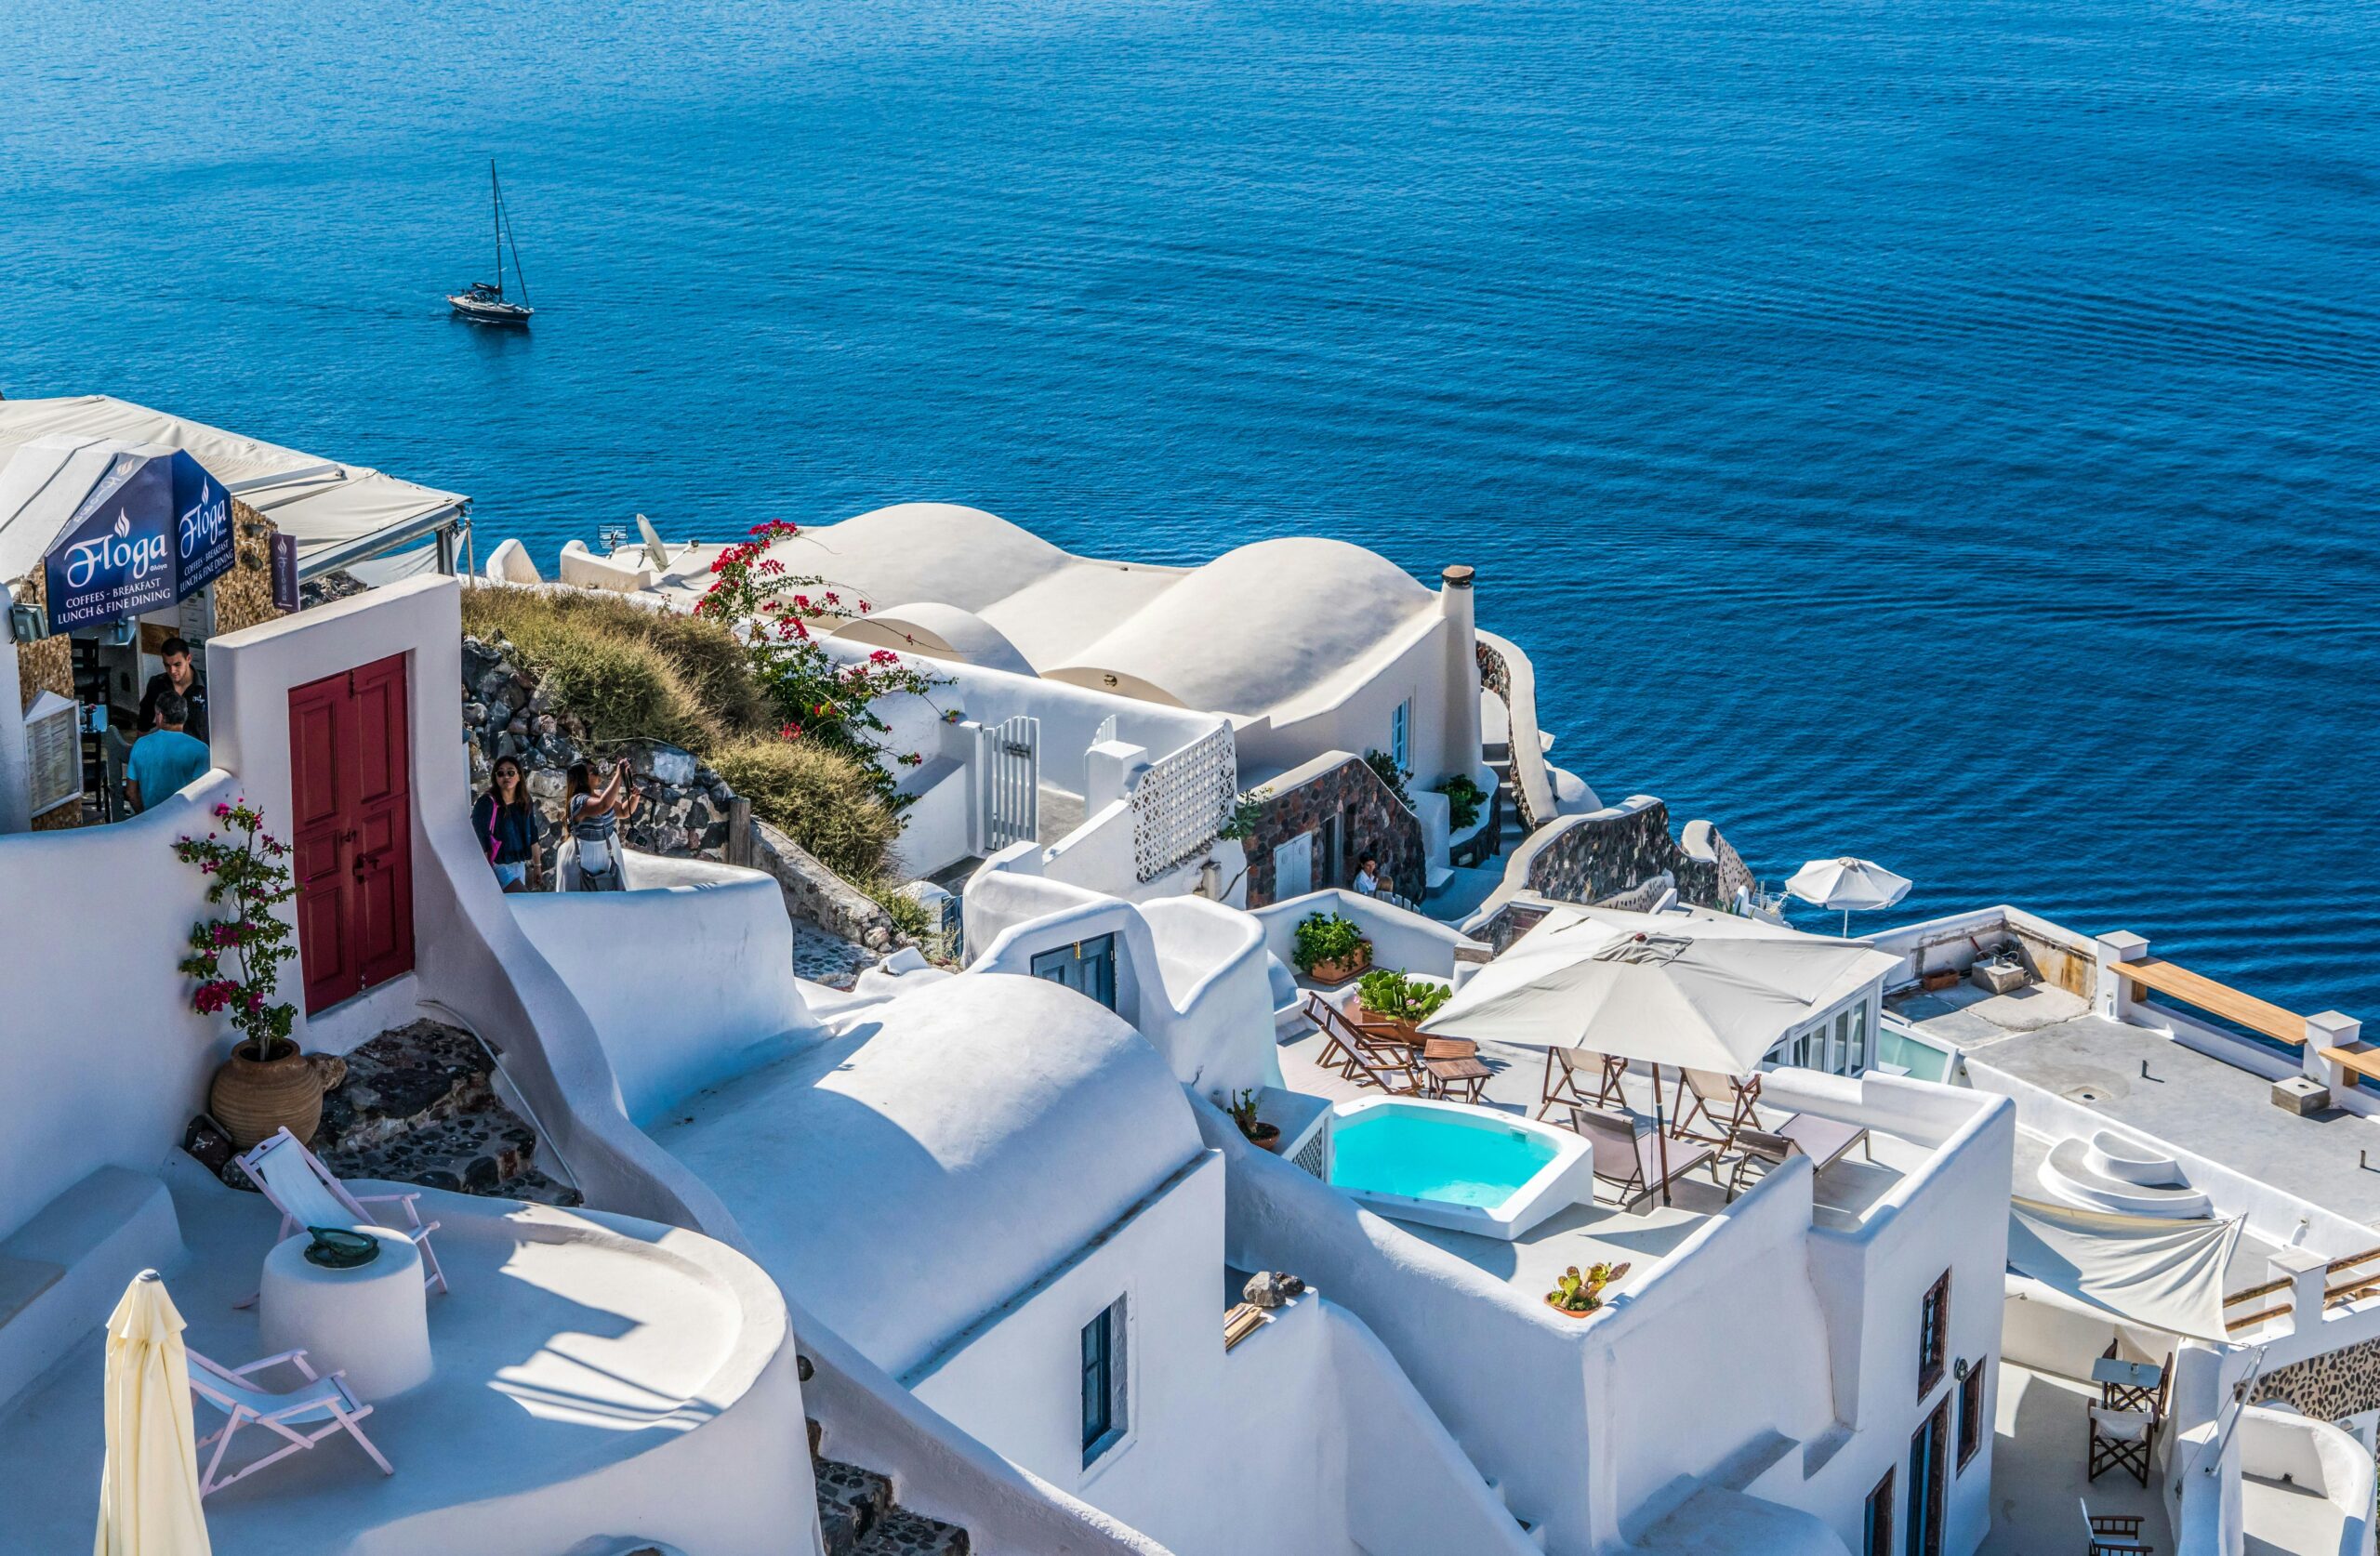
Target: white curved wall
(687, 976)
(1404, 941)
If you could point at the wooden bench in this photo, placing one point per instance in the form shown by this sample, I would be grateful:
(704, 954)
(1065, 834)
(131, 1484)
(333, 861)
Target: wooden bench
(2362, 1059)
(2221, 999)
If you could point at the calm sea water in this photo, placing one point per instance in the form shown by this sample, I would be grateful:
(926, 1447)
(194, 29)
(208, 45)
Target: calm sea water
(1937, 429)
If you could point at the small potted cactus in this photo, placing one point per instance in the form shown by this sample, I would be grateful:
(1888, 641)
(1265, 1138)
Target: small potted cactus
(1241, 1105)
(1574, 1296)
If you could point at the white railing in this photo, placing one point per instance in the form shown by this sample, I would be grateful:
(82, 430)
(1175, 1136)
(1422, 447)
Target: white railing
(1182, 802)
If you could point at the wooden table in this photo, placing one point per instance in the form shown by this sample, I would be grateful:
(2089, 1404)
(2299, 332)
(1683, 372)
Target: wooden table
(1468, 1073)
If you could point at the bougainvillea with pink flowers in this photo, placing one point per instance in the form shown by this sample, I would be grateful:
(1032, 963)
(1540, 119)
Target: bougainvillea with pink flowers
(237, 958)
(818, 697)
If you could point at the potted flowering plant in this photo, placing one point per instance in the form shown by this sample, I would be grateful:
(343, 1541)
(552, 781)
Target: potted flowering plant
(266, 1084)
(1401, 1002)
(1330, 948)
(1241, 1105)
(1574, 1296)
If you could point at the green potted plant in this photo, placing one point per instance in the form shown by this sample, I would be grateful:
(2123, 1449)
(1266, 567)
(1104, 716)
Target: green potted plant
(1574, 1296)
(1390, 998)
(1241, 1105)
(1463, 800)
(1331, 949)
(266, 1084)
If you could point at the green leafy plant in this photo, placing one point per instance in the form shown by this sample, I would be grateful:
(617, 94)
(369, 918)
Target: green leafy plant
(1241, 1105)
(1463, 800)
(1325, 938)
(1386, 992)
(1247, 809)
(1382, 763)
(1575, 1293)
(237, 958)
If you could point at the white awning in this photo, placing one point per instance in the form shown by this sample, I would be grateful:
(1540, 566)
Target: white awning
(2151, 1270)
(338, 512)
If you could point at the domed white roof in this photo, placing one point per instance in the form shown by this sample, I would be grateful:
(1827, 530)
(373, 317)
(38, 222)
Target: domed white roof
(903, 1181)
(1257, 626)
(938, 552)
(938, 632)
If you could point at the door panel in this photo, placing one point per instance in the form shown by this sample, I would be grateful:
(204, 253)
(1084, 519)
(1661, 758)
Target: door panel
(352, 830)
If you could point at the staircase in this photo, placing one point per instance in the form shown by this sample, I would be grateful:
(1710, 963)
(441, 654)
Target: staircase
(418, 1106)
(858, 1516)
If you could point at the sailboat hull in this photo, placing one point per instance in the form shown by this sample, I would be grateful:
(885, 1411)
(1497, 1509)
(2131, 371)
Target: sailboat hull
(488, 312)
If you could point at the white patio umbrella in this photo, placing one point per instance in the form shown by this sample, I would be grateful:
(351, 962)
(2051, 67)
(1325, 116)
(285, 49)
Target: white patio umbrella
(1847, 884)
(148, 1488)
(1703, 1002)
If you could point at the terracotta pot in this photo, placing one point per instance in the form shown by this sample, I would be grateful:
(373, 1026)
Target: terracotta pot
(1331, 974)
(1266, 1138)
(1406, 1032)
(252, 1098)
(1568, 1312)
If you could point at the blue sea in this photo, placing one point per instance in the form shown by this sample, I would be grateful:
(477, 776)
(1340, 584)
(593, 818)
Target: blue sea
(1941, 430)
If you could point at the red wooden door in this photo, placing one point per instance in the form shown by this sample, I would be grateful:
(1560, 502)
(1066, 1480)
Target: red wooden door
(351, 803)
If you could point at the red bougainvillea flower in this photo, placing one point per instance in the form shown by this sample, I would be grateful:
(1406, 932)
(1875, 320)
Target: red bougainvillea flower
(884, 656)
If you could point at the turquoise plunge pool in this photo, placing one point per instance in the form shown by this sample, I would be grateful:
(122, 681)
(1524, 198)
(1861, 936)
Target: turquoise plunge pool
(1448, 1165)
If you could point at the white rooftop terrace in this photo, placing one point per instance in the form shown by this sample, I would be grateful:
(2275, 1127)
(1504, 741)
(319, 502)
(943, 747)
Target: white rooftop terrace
(597, 1376)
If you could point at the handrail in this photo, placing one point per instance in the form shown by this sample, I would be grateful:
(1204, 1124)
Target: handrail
(2366, 1256)
(2256, 1291)
(2350, 1291)
(2251, 1320)
(2192, 988)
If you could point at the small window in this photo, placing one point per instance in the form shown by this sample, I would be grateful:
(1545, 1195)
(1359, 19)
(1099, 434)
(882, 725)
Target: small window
(1877, 1539)
(1103, 1417)
(1932, 1335)
(1400, 735)
(1971, 1412)
(1087, 966)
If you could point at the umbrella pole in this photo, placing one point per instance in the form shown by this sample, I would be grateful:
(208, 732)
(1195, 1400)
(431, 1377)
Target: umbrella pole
(1662, 1134)
(1846, 923)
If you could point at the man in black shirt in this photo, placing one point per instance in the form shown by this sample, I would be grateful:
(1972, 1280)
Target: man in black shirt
(179, 677)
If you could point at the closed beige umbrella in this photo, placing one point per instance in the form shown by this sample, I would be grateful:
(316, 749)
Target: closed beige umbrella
(149, 1489)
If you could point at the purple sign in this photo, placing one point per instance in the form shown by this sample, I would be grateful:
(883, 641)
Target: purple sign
(156, 529)
(284, 572)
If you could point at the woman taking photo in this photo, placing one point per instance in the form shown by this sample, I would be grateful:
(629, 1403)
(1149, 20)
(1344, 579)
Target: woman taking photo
(509, 826)
(593, 816)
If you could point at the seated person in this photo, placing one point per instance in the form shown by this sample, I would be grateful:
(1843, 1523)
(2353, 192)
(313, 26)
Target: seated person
(1367, 876)
(165, 759)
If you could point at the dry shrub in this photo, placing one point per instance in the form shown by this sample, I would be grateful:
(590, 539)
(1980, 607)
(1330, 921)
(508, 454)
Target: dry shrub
(625, 672)
(817, 796)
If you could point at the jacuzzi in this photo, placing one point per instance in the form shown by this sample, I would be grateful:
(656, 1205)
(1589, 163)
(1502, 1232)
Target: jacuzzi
(1454, 1165)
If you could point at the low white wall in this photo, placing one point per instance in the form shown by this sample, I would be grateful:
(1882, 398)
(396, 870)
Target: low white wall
(1070, 716)
(685, 975)
(1402, 940)
(102, 1060)
(2319, 1457)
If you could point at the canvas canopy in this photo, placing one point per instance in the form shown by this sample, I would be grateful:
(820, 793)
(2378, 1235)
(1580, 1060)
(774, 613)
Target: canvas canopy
(2150, 1270)
(339, 513)
(1668, 994)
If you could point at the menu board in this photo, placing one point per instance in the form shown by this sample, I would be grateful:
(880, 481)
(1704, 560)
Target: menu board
(53, 754)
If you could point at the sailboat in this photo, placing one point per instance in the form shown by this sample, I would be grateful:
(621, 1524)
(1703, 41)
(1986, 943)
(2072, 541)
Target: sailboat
(484, 302)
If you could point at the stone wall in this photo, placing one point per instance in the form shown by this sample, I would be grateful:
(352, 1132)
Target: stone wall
(1375, 822)
(813, 895)
(507, 712)
(2336, 1383)
(1610, 854)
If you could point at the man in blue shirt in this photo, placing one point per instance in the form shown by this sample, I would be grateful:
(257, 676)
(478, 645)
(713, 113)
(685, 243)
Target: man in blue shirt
(164, 759)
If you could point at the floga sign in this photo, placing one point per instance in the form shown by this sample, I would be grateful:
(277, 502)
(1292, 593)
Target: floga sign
(155, 530)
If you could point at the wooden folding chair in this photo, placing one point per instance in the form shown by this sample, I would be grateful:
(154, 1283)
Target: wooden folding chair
(1564, 1087)
(2120, 1439)
(1338, 1033)
(1722, 1102)
(2115, 1534)
(1388, 1066)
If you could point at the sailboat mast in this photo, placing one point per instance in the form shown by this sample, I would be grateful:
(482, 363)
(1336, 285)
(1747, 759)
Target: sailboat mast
(496, 211)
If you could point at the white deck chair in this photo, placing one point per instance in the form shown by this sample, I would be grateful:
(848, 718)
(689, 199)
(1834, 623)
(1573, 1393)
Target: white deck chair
(307, 1193)
(323, 1401)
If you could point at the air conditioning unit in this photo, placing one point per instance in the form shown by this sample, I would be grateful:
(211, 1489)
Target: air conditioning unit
(53, 754)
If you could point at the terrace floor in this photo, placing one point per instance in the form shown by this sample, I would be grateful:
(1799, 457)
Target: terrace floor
(2038, 1488)
(570, 1342)
(2142, 1078)
(1584, 1235)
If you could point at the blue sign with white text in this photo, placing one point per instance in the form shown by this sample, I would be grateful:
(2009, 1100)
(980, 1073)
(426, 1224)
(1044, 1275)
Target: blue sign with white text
(156, 529)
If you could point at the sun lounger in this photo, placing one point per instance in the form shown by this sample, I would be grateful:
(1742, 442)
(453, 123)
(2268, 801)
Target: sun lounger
(307, 1193)
(1630, 1156)
(1389, 1067)
(324, 1403)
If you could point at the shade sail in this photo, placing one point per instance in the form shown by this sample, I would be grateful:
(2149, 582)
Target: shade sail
(148, 1485)
(335, 509)
(1704, 1001)
(2151, 1270)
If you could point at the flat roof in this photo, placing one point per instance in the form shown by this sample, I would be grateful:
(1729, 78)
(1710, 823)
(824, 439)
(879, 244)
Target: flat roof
(2146, 1080)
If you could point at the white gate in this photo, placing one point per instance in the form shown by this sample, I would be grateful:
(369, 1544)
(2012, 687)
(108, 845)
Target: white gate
(1013, 783)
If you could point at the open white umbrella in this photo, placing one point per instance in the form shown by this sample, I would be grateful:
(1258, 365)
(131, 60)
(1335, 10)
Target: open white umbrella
(1847, 886)
(1703, 1002)
(148, 1488)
